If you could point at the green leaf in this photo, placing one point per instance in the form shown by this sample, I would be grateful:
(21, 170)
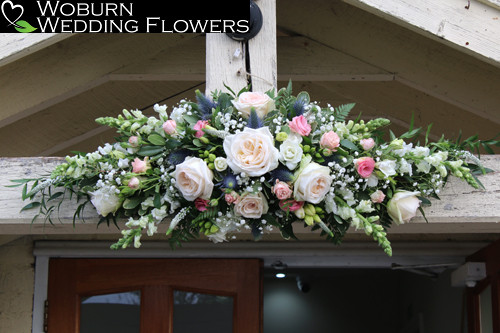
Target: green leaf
(149, 150)
(156, 139)
(31, 205)
(157, 201)
(425, 202)
(131, 203)
(23, 26)
(349, 145)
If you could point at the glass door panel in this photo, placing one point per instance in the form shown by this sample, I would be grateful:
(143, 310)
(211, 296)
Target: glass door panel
(202, 313)
(118, 312)
(485, 310)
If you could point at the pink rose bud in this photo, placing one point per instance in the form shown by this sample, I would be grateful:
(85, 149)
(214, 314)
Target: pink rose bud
(282, 190)
(231, 197)
(201, 204)
(170, 126)
(290, 205)
(201, 124)
(139, 166)
(330, 140)
(299, 125)
(367, 144)
(133, 141)
(134, 183)
(377, 196)
(365, 166)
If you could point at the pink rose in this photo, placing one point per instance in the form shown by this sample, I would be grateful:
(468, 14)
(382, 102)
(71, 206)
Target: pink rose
(201, 204)
(377, 196)
(170, 126)
(139, 166)
(231, 197)
(201, 124)
(282, 190)
(133, 141)
(367, 144)
(290, 205)
(299, 125)
(365, 166)
(134, 183)
(330, 140)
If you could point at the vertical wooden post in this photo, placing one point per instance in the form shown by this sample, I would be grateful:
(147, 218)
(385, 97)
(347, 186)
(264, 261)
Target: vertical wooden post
(262, 50)
(226, 58)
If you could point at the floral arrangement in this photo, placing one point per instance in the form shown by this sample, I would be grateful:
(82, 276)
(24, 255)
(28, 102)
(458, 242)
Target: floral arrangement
(254, 161)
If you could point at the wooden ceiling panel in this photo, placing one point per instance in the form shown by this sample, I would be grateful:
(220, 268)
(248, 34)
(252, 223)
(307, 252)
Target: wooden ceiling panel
(46, 132)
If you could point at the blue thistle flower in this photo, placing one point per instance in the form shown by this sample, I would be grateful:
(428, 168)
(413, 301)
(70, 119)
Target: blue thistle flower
(282, 173)
(298, 107)
(205, 105)
(229, 181)
(254, 120)
(177, 157)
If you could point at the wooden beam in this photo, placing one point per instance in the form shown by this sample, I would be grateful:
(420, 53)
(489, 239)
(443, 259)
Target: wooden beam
(72, 66)
(471, 29)
(460, 210)
(417, 61)
(14, 46)
(227, 58)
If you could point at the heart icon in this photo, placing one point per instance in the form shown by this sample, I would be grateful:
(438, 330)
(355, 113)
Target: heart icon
(11, 12)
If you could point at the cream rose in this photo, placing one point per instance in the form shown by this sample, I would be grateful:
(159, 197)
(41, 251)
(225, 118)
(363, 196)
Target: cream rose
(251, 151)
(312, 184)
(251, 205)
(194, 179)
(291, 152)
(259, 101)
(403, 206)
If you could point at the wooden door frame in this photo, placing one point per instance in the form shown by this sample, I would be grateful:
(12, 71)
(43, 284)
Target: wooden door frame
(490, 256)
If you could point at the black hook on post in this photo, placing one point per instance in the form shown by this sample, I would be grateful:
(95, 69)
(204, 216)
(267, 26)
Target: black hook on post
(255, 25)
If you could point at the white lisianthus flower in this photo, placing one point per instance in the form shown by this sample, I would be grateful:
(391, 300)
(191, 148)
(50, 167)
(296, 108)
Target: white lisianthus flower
(177, 114)
(123, 163)
(106, 149)
(423, 167)
(259, 101)
(251, 151)
(388, 167)
(421, 151)
(105, 200)
(312, 184)
(193, 178)
(251, 205)
(365, 206)
(291, 152)
(405, 167)
(372, 181)
(220, 164)
(437, 158)
(403, 206)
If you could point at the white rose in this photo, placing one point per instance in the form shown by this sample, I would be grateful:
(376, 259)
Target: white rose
(220, 164)
(312, 184)
(105, 201)
(403, 206)
(290, 152)
(194, 179)
(251, 151)
(256, 100)
(388, 167)
(251, 205)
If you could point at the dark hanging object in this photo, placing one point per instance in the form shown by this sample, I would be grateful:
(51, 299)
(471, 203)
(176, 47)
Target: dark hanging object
(254, 25)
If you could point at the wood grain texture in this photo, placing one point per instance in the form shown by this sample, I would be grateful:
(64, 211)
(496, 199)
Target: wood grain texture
(473, 30)
(262, 50)
(225, 63)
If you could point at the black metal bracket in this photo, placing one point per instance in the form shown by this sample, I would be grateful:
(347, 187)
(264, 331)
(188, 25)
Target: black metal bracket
(255, 25)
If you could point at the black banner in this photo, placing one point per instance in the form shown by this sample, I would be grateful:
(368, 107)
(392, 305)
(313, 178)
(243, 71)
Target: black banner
(59, 16)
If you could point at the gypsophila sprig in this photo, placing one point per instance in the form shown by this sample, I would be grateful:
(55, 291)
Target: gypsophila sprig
(251, 162)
